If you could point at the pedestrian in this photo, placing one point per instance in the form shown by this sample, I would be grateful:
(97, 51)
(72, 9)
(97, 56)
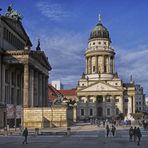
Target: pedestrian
(139, 135)
(25, 134)
(131, 131)
(135, 133)
(107, 130)
(113, 130)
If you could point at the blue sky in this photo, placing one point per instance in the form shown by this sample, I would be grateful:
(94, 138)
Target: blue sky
(63, 27)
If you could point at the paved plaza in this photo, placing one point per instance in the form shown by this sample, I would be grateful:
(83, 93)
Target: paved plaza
(88, 136)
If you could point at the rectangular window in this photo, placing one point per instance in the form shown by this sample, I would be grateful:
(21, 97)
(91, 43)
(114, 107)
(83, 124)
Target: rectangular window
(18, 80)
(82, 112)
(108, 111)
(125, 100)
(7, 94)
(104, 68)
(18, 97)
(12, 95)
(117, 111)
(91, 112)
(6, 76)
(13, 78)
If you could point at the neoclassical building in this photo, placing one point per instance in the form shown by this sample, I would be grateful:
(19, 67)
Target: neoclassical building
(101, 93)
(23, 72)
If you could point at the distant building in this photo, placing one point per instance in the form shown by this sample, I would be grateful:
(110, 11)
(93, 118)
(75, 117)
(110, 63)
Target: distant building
(101, 93)
(53, 95)
(146, 105)
(69, 94)
(57, 84)
(140, 99)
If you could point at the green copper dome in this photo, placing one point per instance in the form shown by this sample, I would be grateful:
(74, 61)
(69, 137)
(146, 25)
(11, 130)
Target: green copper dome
(99, 32)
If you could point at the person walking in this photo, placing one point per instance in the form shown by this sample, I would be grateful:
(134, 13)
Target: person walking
(107, 130)
(135, 134)
(139, 135)
(131, 133)
(25, 134)
(113, 130)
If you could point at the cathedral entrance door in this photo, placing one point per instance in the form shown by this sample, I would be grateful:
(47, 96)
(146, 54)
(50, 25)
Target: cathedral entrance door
(99, 112)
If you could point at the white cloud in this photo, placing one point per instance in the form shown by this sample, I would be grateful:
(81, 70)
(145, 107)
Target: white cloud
(53, 11)
(133, 62)
(65, 51)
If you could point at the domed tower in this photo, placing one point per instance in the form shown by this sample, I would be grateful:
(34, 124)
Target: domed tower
(99, 54)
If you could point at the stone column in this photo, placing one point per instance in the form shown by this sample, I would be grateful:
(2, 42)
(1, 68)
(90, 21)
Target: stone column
(40, 90)
(113, 65)
(96, 64)
(46, 90)
(31, 88)
(102, 64)
(104, 106)
(26, 86)
(43, 90)
(109, 65)
(134, 104)
(86, 65)
(129, 105)
(90, 65)
(21, 89)
(35, 88)
(122, 103)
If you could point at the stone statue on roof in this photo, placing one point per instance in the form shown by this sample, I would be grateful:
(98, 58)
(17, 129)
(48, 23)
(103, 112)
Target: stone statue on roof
(38, 46)
(11, 13)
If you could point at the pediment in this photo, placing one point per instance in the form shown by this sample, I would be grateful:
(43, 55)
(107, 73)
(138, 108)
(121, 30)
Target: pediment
(100, 86)
(17, 27)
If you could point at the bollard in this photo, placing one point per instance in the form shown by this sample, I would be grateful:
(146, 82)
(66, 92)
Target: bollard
(5, 131)
(68, 131)
(36, 131)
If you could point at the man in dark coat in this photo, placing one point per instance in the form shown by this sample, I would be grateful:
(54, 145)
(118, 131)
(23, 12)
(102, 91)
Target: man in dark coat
(25, 134)
(131, 132)
(107, 130)
(139, 135)
(113, 130)
(135, 134)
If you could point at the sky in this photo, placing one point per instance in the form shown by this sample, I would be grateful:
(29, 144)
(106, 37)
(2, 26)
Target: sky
(64, 26)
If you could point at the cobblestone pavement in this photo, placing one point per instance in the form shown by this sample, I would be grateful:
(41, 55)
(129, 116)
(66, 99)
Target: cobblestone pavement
(88, 136)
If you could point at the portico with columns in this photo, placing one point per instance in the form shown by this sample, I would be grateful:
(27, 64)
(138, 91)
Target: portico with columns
(25, 80)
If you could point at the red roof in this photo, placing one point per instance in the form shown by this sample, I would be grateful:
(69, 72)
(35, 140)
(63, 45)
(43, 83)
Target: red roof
(53, 93)
(68, 92)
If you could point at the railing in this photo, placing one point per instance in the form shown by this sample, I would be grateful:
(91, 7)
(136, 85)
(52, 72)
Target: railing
(97, 48)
